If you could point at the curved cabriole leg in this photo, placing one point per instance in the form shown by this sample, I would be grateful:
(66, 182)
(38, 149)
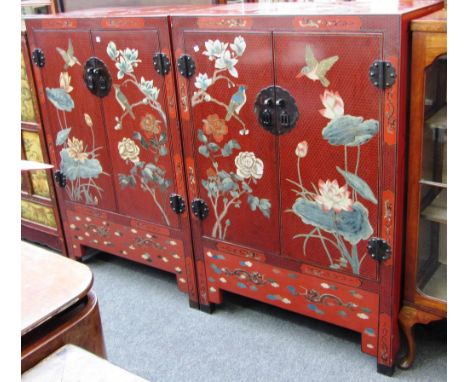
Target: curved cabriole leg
(408, 317)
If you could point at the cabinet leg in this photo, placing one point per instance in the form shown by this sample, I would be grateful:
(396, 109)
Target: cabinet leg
(408, 317)
(207, 308)
(194, 304)
(385, 369)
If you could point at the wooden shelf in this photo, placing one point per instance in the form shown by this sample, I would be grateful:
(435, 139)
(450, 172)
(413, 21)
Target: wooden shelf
(437, 210)
(438, 120)
(437, 285)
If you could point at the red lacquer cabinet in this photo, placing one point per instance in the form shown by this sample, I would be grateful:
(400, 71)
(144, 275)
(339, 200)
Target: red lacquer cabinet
(108, 99)
(293, 124)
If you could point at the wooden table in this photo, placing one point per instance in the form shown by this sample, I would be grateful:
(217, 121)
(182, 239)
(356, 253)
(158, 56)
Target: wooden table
(57, 306)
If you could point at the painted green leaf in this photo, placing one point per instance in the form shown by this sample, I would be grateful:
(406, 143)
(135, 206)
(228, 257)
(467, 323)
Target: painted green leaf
(74, 169)
(246, 187)
(62, 136)
(253, 202)
(229, 146)
(349, 130)
(358, 184)
(202, 137)
(163, 151)
(213, 147)
(112, 50)
(60, 98)
(265, 206)
(203, 150)
(227, 185)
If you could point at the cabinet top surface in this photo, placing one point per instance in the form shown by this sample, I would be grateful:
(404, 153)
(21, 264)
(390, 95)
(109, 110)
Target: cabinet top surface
(433, 22)
(318, 7)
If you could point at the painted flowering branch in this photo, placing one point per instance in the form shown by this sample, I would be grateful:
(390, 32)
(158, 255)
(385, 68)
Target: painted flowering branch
(228, 189)
(225, 57)
(126, 61)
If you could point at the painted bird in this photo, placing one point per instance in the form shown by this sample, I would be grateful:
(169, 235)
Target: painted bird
(237, 101)
(68, 56)
(123, 101)
(316, 70)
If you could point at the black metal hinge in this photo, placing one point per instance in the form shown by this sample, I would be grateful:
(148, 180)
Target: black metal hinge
(186, 65)
(378, 249)
(382, 74)
(161, 63)
(38, 57)
(177, 203)
(60, 178)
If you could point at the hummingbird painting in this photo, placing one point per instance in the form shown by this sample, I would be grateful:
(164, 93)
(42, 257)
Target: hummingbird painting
(314, 69)
(237, 101)
(123, 101)
(68, 56)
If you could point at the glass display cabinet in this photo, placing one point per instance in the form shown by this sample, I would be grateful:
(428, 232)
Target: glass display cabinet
(425, 280)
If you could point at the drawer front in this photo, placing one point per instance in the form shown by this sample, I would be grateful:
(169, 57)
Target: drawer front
(145, 244)
(316, 297)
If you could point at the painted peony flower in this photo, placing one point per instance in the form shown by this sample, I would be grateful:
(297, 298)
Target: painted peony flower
(216, 126)
(334, 105)
(301, 149)
(202, 82)
(332, 196)
(150, 125)
(75, 149)
(129, 150)
(214, 49)
(248, 166)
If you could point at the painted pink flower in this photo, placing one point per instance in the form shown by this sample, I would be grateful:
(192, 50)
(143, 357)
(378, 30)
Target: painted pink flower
(334, 105)
(332, 196)
(301, 149)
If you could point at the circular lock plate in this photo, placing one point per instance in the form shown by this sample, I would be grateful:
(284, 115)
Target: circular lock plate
(282, 109)
(101, 78)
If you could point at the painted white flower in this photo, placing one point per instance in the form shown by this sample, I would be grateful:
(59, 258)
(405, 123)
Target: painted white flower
(227, 62)
(325, 286)
(112, 51)
(148, 89)
(301, 149)
(286, 300)
(275, 285)
(124, 67)
(202, 81)
(332, 196)
(131, 56)
(363, 316)
(212, 289)
(214, 49)
(88, 120)
(65, 79)
(248, 166)
(239, 46)
(223, 280)
(129, 150)
(334, 105)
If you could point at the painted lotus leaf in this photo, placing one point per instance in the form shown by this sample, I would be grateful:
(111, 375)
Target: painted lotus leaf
(350, 131)
(358, 184)
(62, 136)
(353, 225)
(60, 98)
(74, 169)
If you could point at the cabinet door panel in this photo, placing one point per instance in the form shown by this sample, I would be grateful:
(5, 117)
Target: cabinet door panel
(75, 125)
(235, 159)
(140, 140)
(330, 161)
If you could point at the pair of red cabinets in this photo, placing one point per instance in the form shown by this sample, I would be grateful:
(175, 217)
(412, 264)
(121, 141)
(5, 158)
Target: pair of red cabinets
(250, 149)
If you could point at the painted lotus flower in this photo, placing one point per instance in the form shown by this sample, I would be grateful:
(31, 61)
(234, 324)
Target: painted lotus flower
(129, 150)
(350, 131)
(352, 225)
(334, 105)
(227, 62)
(88, 120)
(248, 166)
(332, 196)
(215, 126)
(301, 149)
(65, 80)
(202, 82)
(60, 98)
(148, 89)
(75, 149)
(150, 125)
(239, 46)
(214, 49)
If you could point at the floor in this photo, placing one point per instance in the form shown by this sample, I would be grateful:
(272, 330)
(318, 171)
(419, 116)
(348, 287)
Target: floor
(151, 331)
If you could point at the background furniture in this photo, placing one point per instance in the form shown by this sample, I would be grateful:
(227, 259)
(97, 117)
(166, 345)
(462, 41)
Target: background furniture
(40, 218)
(425, 277)
(57, 306)
(293, 123)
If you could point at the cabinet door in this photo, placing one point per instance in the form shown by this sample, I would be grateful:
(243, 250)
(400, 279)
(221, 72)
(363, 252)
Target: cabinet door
(329, 167)
(73, 118)
(142, 144)
(231, 161)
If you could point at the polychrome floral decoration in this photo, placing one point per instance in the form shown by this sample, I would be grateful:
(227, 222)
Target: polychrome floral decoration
(225, 57)
(79, 160)
(335, 208)
(152, 136)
